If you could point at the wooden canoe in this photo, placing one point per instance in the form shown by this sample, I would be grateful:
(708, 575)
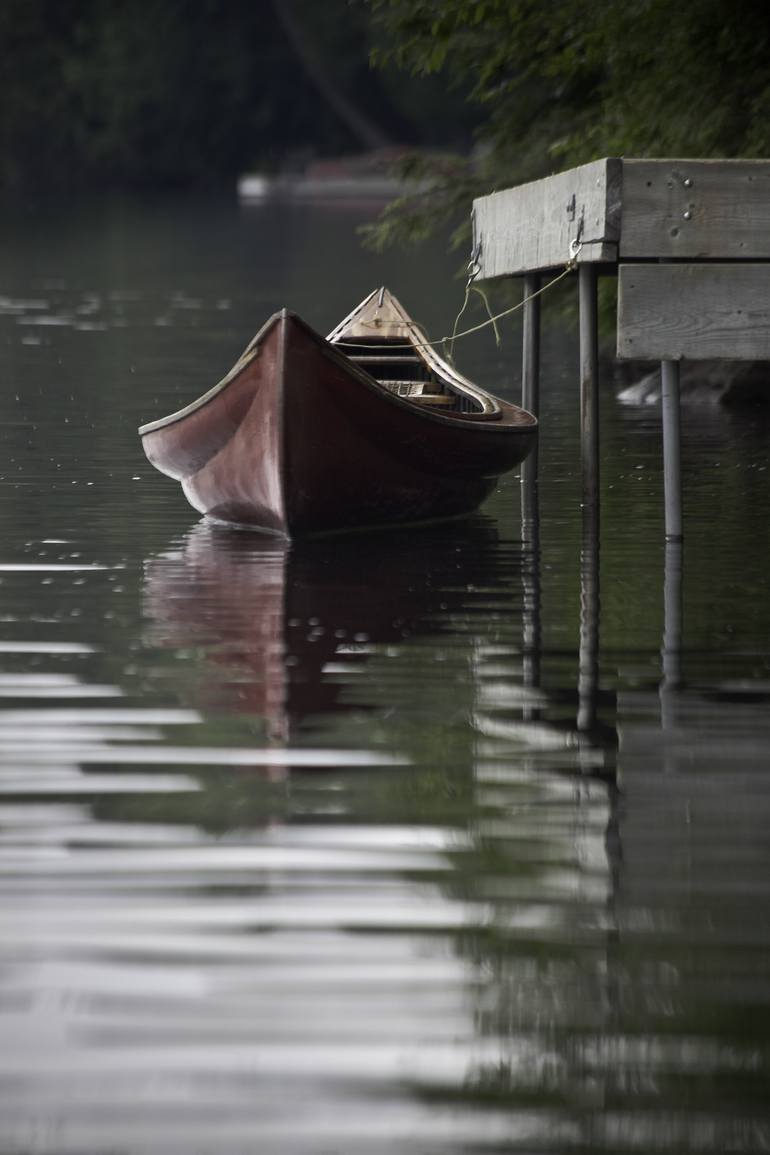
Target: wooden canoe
(365, 428)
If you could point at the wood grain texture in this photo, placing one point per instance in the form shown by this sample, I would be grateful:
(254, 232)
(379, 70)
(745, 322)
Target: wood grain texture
(530, 228)
(694, 311)
(717, 209)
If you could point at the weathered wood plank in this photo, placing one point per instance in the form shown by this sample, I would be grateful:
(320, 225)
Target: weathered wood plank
(668, 312)
(717, 209)
(530, 228)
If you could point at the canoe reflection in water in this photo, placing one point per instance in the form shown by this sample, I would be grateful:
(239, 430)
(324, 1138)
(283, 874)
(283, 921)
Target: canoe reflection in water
(280, 627)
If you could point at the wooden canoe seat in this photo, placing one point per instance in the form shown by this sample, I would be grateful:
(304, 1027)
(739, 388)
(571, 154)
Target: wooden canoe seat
(418, 391)
(390, 359)
(435, 399)
(421, 391)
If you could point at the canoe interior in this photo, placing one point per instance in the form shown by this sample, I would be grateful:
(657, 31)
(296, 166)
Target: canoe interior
(381, 338)
(398, 368)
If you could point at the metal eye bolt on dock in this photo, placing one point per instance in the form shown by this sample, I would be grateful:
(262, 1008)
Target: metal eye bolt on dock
(689, 241)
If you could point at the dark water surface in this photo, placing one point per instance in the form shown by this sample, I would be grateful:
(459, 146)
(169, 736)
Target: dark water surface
(423, 842)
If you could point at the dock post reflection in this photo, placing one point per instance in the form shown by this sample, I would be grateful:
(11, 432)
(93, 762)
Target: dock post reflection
(588, 658)
(530, 512)
(671, 652)
(530, 571)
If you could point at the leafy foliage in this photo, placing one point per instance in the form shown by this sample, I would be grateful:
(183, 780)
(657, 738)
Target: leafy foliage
(193, 91)
(560, 82)
(446, 185)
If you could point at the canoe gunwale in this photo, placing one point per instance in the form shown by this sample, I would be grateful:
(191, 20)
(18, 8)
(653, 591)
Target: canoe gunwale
(247, 356)
(502, 415)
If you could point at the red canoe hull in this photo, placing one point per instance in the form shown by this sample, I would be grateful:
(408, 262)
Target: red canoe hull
(297, 441)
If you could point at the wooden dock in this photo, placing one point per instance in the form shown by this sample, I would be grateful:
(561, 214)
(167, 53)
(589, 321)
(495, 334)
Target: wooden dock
(689, 241)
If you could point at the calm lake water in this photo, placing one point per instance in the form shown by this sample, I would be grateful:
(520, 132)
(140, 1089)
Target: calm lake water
(447, 840)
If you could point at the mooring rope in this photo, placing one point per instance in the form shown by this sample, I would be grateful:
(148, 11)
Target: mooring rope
(448, 342)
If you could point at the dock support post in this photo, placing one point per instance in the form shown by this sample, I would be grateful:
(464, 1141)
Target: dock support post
(531, 402)
(589, 383)
(530, 365)
(672, 466)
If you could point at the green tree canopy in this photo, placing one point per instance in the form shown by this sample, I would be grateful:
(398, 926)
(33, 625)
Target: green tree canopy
(560, 82)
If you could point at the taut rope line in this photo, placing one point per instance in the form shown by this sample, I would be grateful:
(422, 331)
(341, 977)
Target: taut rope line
(448, 342)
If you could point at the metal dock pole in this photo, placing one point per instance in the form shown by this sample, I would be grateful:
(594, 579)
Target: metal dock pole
(530, 365)
(672, 465)
(589, 383)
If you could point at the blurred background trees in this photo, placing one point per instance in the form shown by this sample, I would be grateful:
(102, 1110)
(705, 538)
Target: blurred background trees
(190, 92)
